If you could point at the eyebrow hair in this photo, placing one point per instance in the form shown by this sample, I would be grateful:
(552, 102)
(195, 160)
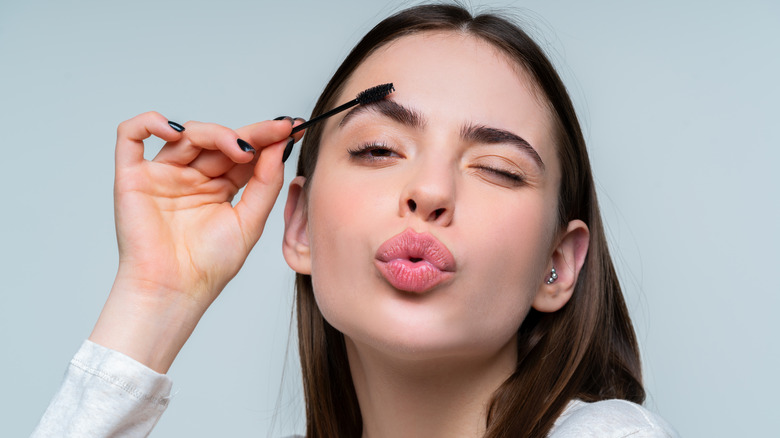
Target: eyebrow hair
(474, 133)
(487, 135)
(391, 109)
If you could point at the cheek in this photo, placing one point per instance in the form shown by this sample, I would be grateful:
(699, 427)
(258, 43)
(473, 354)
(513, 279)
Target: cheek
(341, 216)
(502, 247)
(511, 238)
(507, 259)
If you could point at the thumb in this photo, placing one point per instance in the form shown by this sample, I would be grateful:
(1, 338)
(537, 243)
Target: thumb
(261, 192)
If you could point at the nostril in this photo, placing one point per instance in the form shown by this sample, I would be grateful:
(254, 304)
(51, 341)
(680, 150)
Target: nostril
(412, 205)
(438, 213)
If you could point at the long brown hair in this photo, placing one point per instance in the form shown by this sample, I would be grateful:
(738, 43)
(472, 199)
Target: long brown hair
(586, 350)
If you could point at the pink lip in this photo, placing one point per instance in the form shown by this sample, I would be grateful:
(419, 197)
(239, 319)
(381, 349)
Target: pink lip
(414, 262)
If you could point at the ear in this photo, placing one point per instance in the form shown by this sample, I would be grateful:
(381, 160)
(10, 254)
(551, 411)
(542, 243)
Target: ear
(296, 248)
(567, 258)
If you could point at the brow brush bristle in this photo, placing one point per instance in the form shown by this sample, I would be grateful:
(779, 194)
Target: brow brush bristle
(374, 93)
(370, 95)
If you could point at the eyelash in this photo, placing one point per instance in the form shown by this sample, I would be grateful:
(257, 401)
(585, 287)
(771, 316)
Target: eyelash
(364, 151)
(514, 178)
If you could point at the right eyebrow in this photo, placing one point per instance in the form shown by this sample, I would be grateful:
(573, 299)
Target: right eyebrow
(390, 109)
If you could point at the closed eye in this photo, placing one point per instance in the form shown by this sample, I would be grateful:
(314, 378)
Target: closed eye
(512, 178)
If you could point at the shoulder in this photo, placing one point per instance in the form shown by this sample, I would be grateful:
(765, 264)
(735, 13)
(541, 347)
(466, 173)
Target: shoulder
(610, 418)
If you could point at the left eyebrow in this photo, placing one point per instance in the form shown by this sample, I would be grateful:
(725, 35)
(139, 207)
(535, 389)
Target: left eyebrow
(487, 135)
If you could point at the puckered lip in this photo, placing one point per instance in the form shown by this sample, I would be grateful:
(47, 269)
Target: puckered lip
(415, 262)
(417, 247)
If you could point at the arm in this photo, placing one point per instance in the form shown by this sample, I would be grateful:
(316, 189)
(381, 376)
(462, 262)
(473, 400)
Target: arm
(105, 393)
(180, 239)
(180, 242)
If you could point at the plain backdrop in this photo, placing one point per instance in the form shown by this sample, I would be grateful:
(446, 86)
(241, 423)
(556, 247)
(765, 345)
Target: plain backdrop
(678, 101)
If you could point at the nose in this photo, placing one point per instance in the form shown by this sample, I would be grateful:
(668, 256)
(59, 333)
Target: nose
(430, 194)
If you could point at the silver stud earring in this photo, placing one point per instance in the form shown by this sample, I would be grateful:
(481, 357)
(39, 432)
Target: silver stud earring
(553, 276)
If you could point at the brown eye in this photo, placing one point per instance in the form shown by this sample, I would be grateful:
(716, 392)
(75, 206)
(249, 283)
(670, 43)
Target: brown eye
(373, 152)
(379, 152)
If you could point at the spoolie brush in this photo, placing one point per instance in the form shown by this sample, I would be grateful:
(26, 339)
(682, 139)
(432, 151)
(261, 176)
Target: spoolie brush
(370, 95)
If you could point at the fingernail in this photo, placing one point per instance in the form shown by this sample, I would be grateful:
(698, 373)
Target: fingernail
(176, 126)
(299, 118)
(246, 147)
(288, 149)
(290, 119)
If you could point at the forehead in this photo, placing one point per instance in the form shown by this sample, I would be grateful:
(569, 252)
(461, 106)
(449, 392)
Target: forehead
(453, 77)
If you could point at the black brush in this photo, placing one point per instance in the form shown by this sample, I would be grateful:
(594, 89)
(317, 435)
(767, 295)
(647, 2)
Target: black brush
(370, 95)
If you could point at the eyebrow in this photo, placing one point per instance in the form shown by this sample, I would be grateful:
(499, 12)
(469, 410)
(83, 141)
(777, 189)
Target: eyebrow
(487, 135)
(474, 133)
(390, 109)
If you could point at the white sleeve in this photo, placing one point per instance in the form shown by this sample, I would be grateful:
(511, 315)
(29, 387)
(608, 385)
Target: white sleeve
(105, 393)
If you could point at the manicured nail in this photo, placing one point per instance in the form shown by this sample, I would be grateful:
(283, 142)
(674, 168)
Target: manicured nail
(246, 147)
(288, 118)
(288, 149)
(176, 126)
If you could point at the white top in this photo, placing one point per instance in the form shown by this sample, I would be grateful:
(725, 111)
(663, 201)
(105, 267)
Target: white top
(105, 393)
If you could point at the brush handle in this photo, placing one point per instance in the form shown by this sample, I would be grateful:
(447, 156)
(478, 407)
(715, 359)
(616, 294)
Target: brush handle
(324, 116)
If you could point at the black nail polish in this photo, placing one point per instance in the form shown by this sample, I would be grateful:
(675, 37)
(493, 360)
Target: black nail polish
(246, 147)
(288, 118)
(177, 127)
(288, 149)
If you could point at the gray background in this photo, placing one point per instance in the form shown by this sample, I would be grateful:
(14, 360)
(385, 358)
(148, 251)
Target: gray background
(679, 103)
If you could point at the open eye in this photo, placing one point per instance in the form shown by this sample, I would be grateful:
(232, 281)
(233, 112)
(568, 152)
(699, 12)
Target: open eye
(373, 152)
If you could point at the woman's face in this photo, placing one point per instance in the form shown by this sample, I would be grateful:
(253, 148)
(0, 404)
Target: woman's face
(431, 216)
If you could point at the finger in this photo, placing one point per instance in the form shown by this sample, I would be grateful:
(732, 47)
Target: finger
(239, 175)
(265, 133)
(261, 192)
(130, 136)
(291, 141)
(212, 163)
(207, 136)
(180, 152)
(296, 122)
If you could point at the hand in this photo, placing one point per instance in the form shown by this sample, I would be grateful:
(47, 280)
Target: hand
(180, 239)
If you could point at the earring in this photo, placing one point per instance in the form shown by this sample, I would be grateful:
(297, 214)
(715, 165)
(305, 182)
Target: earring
(553, 276)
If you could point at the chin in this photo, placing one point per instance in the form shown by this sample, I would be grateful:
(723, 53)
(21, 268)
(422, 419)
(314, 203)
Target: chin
(410, 338)
(442, 323)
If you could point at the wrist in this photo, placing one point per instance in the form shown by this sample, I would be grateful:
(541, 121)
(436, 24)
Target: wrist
(146, 324)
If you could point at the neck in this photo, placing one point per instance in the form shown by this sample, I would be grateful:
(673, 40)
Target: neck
(426, 398)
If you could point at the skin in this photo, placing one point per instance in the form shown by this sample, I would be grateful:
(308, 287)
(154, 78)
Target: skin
(180, 240)
(425, 364)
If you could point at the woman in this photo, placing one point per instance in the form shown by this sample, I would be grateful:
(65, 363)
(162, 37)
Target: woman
(453, 276)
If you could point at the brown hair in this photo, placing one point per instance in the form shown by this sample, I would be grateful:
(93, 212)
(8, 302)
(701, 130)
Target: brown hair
(586, 350)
